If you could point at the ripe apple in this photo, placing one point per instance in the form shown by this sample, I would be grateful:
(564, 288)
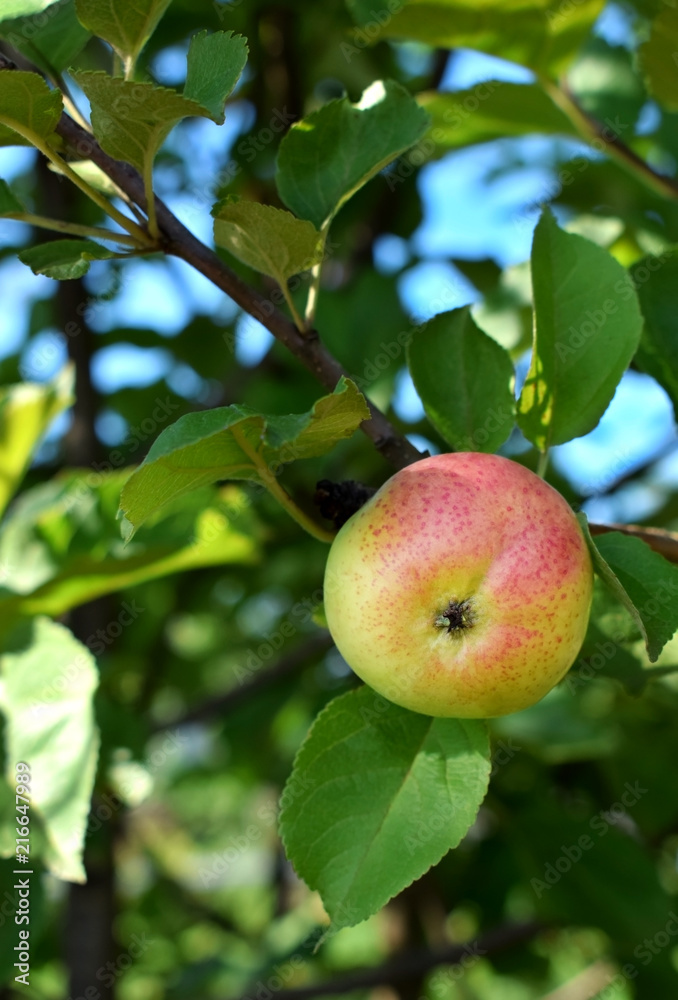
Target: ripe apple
(461, 588)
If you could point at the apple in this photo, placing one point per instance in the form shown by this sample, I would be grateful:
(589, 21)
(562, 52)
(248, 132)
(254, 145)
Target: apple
(462, 588)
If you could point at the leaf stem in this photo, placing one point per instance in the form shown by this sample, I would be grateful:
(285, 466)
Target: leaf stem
(298, 321)
(313, 292)
(142, 237)
(279, 492)
(73, 228)
(124, 221)
(543, 462)
(150, 198)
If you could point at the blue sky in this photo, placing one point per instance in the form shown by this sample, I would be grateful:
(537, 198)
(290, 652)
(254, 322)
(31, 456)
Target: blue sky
(464, 216)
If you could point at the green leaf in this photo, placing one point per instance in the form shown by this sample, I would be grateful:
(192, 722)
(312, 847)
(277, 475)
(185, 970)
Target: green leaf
(61, 541)
(587, 326)
(126, 24)
(464, 379)
(325, 158)
(21, 8)
(606, 85)
(48, 682)
(542, 35)
(656, 279)
(215, 63)
(131, 120)
(52, 40)
(27, 107)
(658, 58)
(64, 259)
(268, 239)
(376, 797)
(642, 580)
(26, 411)
(236, 442)
(9, 205)
(492, 110)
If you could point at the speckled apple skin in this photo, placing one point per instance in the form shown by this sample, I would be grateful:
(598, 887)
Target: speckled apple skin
(464, 526)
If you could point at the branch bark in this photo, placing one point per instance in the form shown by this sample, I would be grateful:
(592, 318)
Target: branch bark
(662, 541)
(286, 666)
(412, 965)
(177, 240)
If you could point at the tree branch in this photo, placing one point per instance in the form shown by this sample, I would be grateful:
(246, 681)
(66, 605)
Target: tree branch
(221, 705)
(662, 541)
(412, 965)
(176, 239)
(594, 131)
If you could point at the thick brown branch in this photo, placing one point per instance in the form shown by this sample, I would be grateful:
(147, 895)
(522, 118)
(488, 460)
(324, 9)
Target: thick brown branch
(414, 964)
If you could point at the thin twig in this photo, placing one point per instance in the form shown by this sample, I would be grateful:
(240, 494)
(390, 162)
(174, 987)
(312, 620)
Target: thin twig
(286, 666)
(662, 541)
(412, 965)
(594, 131)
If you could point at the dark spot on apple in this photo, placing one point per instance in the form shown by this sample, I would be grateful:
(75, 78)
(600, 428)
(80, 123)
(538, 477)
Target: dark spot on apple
(457, 616)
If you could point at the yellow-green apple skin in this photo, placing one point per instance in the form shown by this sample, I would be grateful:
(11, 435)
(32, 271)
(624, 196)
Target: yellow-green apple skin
(462, 588)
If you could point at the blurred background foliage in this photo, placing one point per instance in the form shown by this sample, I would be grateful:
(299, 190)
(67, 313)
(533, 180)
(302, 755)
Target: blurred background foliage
(206, 695)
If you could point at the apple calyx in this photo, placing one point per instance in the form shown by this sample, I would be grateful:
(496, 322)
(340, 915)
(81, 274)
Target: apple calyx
(457, 616)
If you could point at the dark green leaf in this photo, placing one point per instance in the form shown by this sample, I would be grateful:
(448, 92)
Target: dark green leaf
(236, 442)
(9, 205)
(215, 63)
(49, 679)
(64, 259)
(327, 157)
(377, 796)
(642, 580)
(656, 280)
(658, 58)
(587, 327)
(52, 40)
(464, 379)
